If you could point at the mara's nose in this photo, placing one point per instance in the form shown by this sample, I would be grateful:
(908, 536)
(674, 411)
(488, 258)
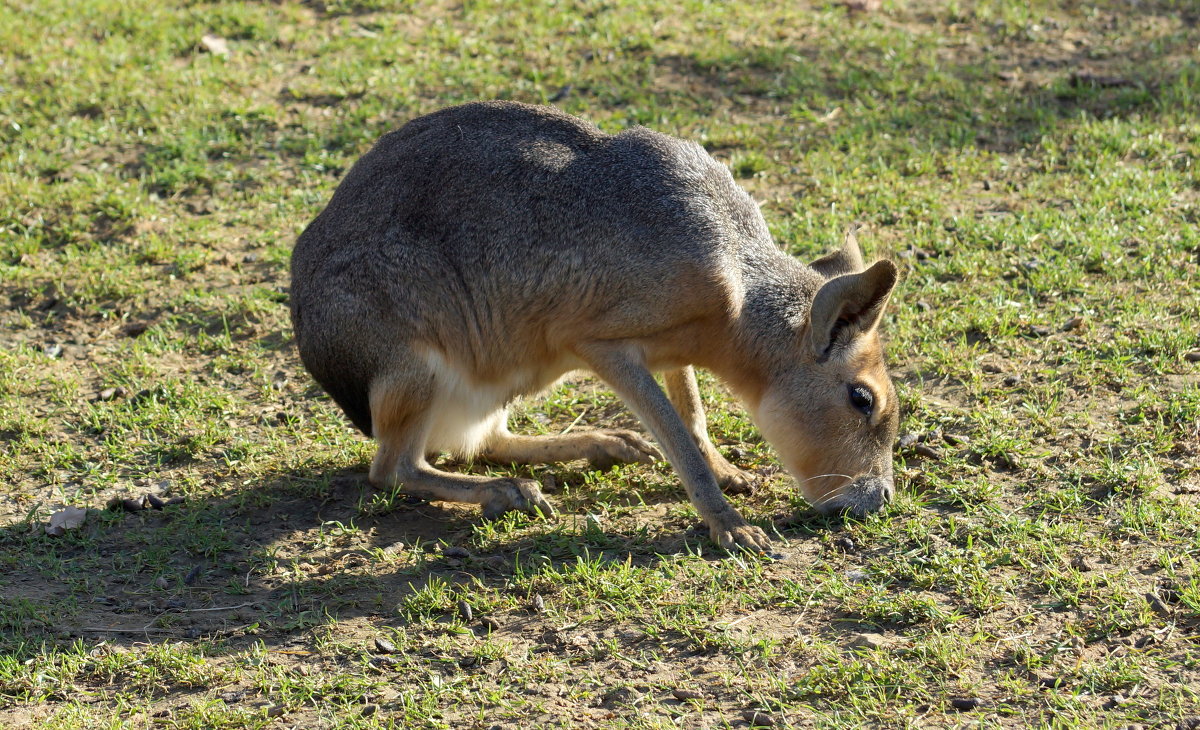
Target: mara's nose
(863, 496)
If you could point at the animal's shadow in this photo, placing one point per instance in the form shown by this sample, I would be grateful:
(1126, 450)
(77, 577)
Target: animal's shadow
(272, 558)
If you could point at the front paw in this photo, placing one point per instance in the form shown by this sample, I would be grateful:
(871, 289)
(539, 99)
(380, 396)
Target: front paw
(733, 532)
(517, 495)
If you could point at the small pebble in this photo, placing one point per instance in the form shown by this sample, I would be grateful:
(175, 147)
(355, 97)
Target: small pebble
(490, 624)
(384, 661)
(1157, 605)
(52, 350)
(927, 452)
(1037, 330)
(1082, 563)
(192, 575)
(383, 646)
(844, 544)
(162, 582)
(963, 704)
(1073, 323)
(1169, 594)
(867, 640)
(683, 695)
(454, 551)
(1008, 460)
(758, 718)
(369, 710)
(464, 610)
(1051, 682)
(1012, 380)
(132, 505)
(1192, 356)
(495, 562)
(539, 603)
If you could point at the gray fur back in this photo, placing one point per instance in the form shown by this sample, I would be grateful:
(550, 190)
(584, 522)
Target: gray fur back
(478, 228)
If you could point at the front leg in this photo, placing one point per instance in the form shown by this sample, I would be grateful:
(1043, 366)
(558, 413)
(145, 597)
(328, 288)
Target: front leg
(619, 365)
(685, 394)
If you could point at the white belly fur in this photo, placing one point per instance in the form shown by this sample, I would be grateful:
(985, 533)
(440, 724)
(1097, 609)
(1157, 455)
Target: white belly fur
(466, 411)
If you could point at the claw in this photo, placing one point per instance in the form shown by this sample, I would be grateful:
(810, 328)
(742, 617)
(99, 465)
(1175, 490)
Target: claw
(648, 452)
(535, 503)
(523, 495)
(733, 536)
(738, 482)
(624, 447)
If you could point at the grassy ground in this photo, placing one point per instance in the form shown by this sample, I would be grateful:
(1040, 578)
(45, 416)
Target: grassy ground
(1030, 165)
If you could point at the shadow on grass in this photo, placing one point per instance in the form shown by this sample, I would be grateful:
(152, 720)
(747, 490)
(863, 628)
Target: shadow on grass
(999, 99)
(272, 558)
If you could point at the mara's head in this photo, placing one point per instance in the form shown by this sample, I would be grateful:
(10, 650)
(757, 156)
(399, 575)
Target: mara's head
(832, 415)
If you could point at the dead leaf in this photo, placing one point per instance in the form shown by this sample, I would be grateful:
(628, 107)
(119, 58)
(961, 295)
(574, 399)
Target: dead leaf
(215, 45)
(1073, 323)
(862, 6)
(1084, 78)
(67, 518)
(833, 114)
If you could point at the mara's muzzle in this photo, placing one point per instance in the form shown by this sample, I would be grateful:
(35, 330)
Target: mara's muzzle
(861, 497)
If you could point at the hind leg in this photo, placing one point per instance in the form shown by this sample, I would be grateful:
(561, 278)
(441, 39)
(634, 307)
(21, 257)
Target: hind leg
(400, 412)
(602, 448)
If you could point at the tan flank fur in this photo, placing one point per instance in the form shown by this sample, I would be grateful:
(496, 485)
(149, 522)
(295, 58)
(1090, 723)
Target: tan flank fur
(480, 253)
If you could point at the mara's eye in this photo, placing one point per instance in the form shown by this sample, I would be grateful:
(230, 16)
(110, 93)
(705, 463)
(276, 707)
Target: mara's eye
(862, 399)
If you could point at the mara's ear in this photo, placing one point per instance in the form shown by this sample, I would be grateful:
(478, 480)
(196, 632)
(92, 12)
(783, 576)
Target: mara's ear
(846, 260)
(848, 307)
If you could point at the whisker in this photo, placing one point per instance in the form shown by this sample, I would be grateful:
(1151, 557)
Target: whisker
(829, 475)
(833, 493)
